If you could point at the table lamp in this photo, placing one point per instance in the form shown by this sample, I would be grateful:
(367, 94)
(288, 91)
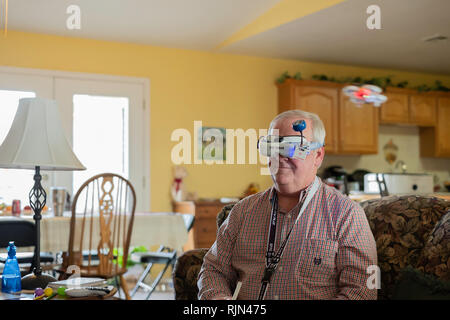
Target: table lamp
(37, 141)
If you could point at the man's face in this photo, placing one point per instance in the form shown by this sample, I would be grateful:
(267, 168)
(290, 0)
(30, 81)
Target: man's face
(295, 174)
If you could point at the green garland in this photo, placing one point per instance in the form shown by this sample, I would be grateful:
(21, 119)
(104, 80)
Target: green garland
(381, 82)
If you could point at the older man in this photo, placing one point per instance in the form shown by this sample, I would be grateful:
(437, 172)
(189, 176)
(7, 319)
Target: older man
(299, 239)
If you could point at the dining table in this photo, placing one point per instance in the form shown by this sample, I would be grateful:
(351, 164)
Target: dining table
(149, 229)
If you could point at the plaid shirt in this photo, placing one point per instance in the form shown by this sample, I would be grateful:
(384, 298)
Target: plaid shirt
(326, 256)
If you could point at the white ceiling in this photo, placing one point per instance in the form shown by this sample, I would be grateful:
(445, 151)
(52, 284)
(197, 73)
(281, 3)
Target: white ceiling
(189, 24)
(337, 34)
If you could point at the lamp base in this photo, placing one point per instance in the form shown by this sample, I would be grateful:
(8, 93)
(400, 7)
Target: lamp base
(32, 281)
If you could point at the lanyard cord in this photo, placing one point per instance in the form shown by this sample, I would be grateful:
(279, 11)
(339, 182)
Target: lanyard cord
(272, 259)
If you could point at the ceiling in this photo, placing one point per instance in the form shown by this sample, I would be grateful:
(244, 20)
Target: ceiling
(339, 34)
(189, 24)
(332, 31)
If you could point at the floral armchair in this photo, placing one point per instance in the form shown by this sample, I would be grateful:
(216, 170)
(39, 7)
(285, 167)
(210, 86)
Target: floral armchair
(410, 231)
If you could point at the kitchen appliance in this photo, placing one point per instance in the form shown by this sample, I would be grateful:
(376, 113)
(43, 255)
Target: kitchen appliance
(337, 177)
(400, 183)
(358, 176)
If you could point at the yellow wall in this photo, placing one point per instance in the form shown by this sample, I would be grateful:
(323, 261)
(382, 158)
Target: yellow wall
(223, 90)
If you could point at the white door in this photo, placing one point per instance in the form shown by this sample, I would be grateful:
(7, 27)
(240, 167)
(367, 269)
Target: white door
(106, 124)
(16, 184)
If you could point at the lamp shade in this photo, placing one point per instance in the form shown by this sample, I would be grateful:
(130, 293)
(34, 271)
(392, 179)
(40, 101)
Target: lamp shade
(36, 138)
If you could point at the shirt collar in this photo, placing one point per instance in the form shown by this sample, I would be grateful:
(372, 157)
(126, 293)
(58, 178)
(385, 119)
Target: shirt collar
(302, 192)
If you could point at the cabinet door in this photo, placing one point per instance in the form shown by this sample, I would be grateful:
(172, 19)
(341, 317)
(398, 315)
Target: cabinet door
(205, 230)
(358, 127)
(395, 109)
(205, 225)
(422, 110)
(324, 103)
(443, 127)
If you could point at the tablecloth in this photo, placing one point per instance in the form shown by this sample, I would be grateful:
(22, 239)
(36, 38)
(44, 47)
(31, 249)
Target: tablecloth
(149, 229)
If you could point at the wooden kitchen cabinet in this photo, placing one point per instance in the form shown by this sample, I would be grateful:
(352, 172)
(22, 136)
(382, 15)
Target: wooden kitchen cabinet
(353, 129)
(407, 106)
(349, 129)
(358, 127)
(396, 108)
(205, 225)
(434, 141)
(319, 97)
(422, 109)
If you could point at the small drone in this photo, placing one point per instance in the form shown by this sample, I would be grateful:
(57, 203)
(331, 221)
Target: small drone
(365, 94)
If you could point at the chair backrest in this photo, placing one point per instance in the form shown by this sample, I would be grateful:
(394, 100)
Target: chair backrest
(101, 225)
(188, 221)
(223, 214)
(187, 266)
(21, 231)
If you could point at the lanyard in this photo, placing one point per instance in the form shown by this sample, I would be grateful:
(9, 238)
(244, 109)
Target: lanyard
(273, 258)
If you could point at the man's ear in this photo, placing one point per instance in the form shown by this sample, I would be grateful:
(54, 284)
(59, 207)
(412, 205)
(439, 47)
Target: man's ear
(318, 157)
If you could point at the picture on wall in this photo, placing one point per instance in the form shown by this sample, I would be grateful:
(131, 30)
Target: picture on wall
(212, 143)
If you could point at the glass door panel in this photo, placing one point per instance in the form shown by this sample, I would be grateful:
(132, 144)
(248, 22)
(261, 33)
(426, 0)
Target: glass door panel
(104, 122)
(15, 184)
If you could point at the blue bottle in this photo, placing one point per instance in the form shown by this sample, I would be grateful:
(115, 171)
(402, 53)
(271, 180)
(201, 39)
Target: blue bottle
(11, 279)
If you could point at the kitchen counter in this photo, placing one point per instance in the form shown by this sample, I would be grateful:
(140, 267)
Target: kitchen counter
(443, 195)
(359, 197)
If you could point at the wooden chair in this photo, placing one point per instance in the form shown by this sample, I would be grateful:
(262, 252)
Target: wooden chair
(100, 228)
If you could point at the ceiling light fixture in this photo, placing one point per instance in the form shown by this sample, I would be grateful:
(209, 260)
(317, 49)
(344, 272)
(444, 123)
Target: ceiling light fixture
(435, 38)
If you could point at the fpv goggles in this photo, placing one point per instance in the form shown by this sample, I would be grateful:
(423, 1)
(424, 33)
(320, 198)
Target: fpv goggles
(293, 146)
(296, 147)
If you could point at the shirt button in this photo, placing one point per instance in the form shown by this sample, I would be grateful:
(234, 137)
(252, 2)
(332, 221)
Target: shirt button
(289, 216)
(275, 297)
(280, 268)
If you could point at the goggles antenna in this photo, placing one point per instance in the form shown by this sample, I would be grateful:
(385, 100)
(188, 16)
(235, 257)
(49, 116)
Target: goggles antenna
(299, 126)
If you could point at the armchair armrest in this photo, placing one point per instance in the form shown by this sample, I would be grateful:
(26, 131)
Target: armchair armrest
(185, 274)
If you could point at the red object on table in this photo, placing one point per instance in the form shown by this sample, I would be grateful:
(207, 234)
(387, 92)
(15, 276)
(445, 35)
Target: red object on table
(16, 208)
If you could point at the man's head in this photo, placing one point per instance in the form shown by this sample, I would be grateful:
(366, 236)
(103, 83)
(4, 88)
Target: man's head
(291, 175)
